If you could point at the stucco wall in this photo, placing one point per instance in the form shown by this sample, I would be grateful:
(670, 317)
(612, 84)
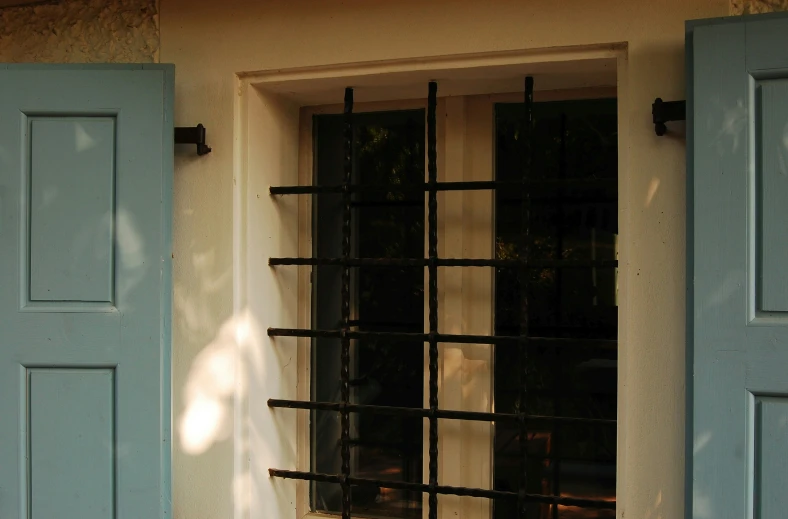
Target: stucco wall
(757, 6)
(80, 31)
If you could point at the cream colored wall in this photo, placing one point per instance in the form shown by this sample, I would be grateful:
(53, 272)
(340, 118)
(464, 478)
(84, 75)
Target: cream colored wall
(212, 41)
(78, 31)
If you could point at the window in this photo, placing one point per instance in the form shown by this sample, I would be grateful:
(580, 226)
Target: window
(564, 217)
(572, 312)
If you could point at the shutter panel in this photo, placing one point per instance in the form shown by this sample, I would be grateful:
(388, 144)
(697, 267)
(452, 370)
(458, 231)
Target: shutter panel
(85, 200)
(737, 252)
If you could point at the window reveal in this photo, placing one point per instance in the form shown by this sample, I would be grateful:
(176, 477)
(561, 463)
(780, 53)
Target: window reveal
(526, 267)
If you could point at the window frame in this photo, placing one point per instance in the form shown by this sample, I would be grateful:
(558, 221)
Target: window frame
(465, 447)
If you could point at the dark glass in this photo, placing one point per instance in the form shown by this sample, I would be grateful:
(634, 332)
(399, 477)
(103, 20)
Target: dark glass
(388, 151)
(572, 140)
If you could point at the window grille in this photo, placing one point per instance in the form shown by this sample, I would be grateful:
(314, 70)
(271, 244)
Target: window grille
(433, 412)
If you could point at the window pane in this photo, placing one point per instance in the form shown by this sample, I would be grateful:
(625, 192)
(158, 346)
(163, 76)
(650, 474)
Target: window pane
(389, 152)
(572, 140)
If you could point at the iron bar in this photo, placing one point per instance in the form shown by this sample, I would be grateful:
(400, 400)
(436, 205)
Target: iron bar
(443, 262)
(404, 444)
(440, 337)
(375, 204)
(345, 340)
(443, 489)
(419, 412)
(555, 444)
(367, 323)
(524, 250)
(418, 445)
(473, 185)
(578, 325)
(564, 200)
(432, 274)
(348, 330)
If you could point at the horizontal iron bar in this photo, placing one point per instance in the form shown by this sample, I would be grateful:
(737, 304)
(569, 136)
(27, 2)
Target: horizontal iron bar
(418, 325)
(443, 489)
(445, 338)
(568, 201)
(447, 186)
(402, 445)
(379, 204)
(419, 445)
(444, 262)
(425, 413)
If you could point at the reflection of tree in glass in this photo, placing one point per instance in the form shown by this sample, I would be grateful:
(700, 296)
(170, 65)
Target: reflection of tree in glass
(571, 141)
(390, 154)
(387, 223)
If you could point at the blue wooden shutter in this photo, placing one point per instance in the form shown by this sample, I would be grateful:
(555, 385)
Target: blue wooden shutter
(738, 268)
(85, 201)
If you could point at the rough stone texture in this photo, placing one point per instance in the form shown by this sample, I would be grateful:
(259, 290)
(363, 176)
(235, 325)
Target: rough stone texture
(80, 31)
(757, 6)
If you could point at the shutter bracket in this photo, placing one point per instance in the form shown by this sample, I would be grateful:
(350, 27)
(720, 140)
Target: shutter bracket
(665, 111)
(193, 135)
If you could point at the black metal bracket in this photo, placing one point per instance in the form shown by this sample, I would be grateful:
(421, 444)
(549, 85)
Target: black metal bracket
(665, 111)
(193, 135)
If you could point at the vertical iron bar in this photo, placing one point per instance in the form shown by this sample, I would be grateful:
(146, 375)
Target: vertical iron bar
(525, 228)
(345, 360)
(557, 368)
(432, 210)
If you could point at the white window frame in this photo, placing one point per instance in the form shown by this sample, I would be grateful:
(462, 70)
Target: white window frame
(465, 142)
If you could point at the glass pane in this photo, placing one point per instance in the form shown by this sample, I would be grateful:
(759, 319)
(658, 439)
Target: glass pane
(576, 219)
(387, 223)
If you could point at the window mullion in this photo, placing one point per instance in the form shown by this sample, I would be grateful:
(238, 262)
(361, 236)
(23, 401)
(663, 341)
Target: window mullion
(465, 142)
(477, 305)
